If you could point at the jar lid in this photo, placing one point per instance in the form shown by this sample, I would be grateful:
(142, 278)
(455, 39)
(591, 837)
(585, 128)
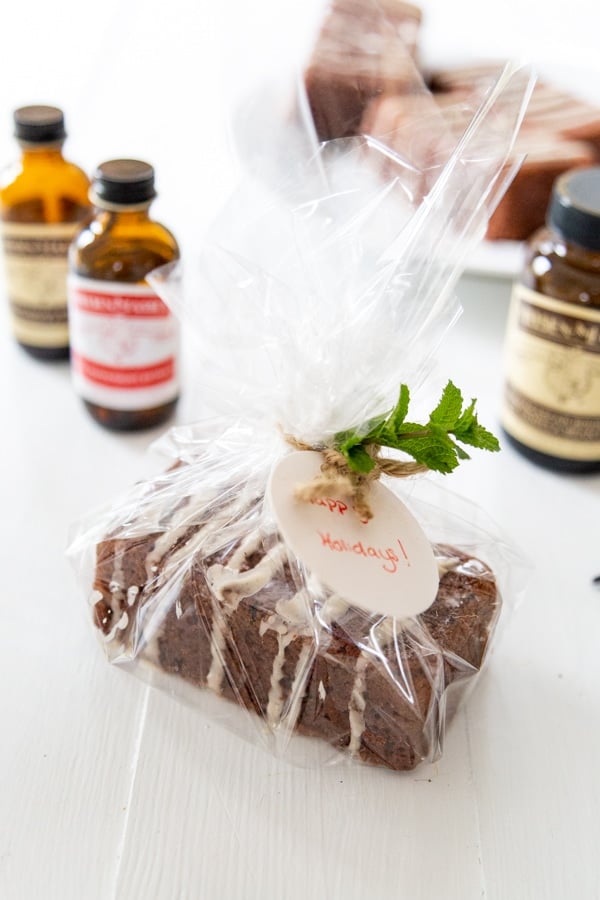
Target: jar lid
(39, 124)
(574, 210)
(124, 182)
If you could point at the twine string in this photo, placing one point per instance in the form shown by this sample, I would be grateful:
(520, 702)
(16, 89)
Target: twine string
(336, 477)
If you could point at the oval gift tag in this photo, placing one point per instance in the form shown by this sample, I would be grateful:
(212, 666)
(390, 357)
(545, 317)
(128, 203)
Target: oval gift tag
(385, 565)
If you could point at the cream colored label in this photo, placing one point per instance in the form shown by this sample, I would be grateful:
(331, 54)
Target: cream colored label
(385, 565)
(35, 263)
(552, 365)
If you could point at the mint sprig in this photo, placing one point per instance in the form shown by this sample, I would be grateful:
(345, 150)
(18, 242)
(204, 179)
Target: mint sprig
(435, 444)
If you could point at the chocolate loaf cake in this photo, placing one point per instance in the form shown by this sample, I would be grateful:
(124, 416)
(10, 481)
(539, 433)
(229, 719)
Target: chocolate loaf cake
(214, 597)
(363, 77)
(364, 48)
(559, 132)
(522, 210)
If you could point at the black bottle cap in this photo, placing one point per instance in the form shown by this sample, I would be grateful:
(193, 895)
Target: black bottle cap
(39, 124)
(124, 182)
(574, 210)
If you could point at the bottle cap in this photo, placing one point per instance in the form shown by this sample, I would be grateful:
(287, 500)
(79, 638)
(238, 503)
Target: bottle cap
(574, 210)
(124, 182)
(39, 124)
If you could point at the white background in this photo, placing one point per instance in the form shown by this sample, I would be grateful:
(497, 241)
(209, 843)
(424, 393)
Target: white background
(160, 80)
(110, 790)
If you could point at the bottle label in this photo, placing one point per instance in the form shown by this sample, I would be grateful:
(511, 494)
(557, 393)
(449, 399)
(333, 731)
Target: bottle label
(35, 268)
(552, 364)
(124, 344)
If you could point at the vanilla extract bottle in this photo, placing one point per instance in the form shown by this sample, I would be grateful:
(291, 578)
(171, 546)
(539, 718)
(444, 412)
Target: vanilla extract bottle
(551, 406)
(124, 339)
(43, 200)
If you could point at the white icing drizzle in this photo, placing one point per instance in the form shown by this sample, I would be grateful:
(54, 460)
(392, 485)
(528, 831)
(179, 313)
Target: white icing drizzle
(295, 693)
(118, 569)
(446, 564)
(356, 707)
(275, 700)
(119, 625)
(172, 564)
(214, 679)
(290, 621)
(115, 586)
(183, 518)
(381, 635)
(162, 546)
(249, 545)
(291, 611)
(163, 561)
(229, 587)
(334, 608)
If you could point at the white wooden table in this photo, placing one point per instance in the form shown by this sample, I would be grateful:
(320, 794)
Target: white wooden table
(111, 791)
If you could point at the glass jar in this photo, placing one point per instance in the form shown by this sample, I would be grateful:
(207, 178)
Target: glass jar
(124, 339)
(43, 199)
(551, 405)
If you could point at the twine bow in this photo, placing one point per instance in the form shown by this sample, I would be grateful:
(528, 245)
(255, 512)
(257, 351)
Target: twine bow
(337, 477)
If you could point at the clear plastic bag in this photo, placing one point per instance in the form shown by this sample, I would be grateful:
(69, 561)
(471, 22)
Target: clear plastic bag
(327, 283)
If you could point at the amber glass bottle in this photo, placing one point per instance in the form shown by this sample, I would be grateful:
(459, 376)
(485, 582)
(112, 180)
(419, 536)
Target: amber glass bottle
(124, 340)
(551, 410)
(43, 199)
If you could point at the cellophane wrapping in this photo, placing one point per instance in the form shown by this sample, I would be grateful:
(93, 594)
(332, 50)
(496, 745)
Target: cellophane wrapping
(328, 281)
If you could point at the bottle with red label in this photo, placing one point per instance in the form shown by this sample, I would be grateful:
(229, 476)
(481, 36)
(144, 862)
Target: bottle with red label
(124, 339)
(43, 200)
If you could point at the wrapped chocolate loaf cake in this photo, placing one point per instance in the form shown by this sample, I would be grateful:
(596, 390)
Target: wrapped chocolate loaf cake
(246, 623)
(284, 574)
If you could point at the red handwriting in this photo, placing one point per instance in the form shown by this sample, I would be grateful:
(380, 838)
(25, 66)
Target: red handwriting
(387, 555)
(331, 504)
(334, 505)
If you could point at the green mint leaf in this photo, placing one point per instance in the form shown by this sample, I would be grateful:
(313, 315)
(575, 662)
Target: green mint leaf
(448, 411)
(345, 440)
(436, 451)
(398, 414)
(466, 419)
(383, 431)
(469, 431)
(461, 452)
(358, 459)
(431, 445)
(480, 437)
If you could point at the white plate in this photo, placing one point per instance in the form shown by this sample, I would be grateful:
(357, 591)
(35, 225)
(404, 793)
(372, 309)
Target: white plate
(498, 259)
